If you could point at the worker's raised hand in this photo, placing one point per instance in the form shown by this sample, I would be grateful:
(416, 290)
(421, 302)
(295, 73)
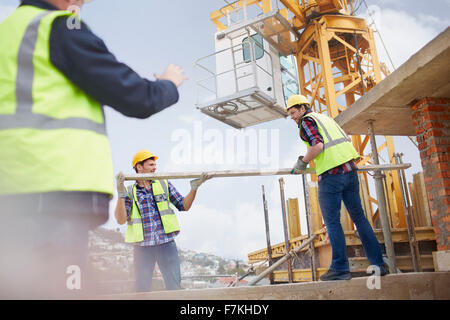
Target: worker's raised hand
(197, 182)
(299, 165)
(121, 190)
(173, 73)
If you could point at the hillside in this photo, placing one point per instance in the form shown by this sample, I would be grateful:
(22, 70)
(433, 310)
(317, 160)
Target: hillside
(111, 260)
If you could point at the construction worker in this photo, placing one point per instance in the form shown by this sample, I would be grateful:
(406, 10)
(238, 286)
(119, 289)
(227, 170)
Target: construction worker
(152, 224)
(334, 157)
(56, 174)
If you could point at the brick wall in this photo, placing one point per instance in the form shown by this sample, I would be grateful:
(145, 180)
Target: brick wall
(431, 117)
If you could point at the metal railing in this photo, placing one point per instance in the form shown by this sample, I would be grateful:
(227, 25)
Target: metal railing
(238, 65)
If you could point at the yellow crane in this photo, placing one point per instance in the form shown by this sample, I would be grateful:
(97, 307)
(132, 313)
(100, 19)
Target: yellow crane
(336, 63)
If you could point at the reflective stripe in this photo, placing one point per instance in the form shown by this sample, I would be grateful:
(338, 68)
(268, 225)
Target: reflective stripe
(164, 187)
(25, 67)
(134, 200)
(134, 221)
(335, 142)
(24, 118)
(160, 197)
(130, 191)
(330, 142)
(166, 212)
(43, 122)
(166, 193)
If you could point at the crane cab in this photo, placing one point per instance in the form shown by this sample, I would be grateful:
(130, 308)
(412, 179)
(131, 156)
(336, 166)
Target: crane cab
(251, 73)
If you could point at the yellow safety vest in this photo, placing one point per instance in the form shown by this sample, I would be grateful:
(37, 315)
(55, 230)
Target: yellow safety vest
(337, 149)
(52, 134)
(135, 230)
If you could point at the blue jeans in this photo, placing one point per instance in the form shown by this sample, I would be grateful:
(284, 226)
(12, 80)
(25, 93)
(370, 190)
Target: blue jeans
(345, 187)
(166, 255)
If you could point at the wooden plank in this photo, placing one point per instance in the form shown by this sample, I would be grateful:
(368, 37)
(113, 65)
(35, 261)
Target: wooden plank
(414, 204)
(316, 213)
(421, 195)
(294, 227)
(299, 275)
(419, 199)
(324, 256)
(404, 263)
(398, 235)
(365, 199)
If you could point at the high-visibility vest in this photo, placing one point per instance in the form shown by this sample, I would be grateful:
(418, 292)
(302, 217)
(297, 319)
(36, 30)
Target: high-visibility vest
(337, 149)
(52, 134)
(135, 231)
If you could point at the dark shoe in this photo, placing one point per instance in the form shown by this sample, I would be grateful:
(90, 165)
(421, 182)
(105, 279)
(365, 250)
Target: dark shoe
(336, 275)
(383, 271)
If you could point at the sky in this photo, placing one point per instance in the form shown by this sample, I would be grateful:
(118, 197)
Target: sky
(227, 218)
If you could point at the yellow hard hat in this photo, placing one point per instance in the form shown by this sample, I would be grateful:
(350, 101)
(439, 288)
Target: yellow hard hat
(295, 100)
(142, 155)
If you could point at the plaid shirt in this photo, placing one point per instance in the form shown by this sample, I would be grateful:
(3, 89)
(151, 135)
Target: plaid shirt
(151, 220)
(309, 132)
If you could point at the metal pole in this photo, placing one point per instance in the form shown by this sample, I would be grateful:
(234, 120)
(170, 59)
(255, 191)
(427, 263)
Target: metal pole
(269, 246)
(286, 236)
(282, 260)
(248, 173)
(310, 230)
(415, 254)
(382, 209)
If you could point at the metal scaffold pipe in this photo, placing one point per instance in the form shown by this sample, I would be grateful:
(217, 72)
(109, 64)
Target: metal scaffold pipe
(282, 260)
(266, 222)
(310, 229)
(247, 173)
(285, 226)
(382, 206)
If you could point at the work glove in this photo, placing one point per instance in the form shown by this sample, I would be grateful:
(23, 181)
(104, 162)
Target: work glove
(197, 182)
(121, 190)
(299, 165)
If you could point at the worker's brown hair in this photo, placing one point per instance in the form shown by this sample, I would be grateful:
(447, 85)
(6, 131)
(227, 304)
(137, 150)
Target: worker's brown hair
(142, 163)
(307, 108)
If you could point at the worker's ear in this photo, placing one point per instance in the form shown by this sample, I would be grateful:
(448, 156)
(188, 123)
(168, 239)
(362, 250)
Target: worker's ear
(302, 108)
(138, 167)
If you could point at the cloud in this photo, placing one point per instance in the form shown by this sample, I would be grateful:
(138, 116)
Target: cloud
(402, 33)
(229, 233)
(434, 22)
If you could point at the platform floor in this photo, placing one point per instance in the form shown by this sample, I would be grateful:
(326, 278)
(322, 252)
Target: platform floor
(405, 286)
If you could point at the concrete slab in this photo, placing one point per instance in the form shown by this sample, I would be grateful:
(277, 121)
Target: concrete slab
(425, 74)
(441, 260)
(405, 286)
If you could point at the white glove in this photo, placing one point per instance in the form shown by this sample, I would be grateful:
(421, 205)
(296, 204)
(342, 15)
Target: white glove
(121, 190)
(197, 182)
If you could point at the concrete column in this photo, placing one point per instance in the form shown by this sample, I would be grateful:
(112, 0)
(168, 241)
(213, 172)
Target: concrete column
(431, 117)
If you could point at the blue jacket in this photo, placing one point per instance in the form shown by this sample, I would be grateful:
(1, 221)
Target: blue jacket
(86, 61)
